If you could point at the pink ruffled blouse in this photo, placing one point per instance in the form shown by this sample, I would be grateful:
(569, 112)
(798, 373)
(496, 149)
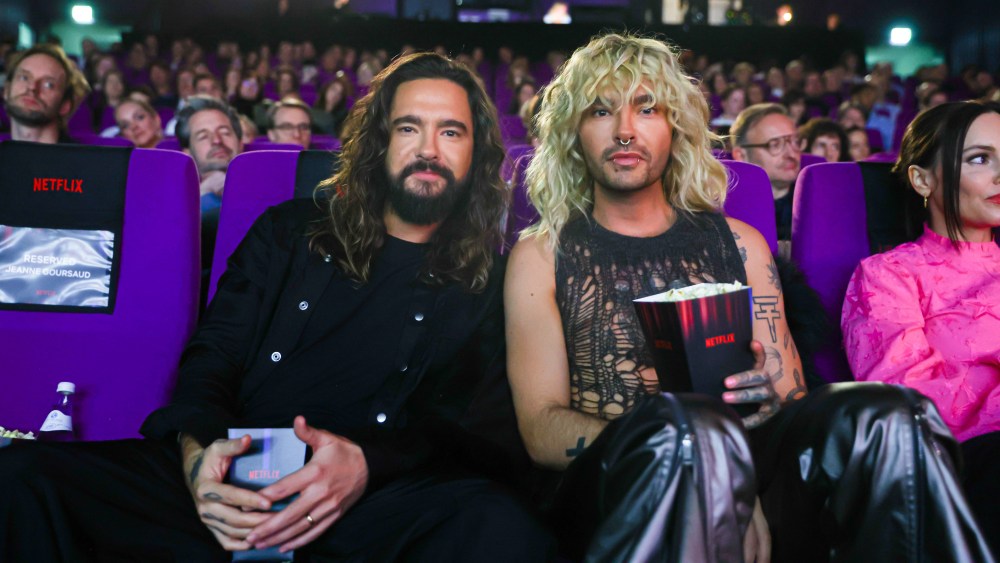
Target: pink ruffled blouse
(927, 316)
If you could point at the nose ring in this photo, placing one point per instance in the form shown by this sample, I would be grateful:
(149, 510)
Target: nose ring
(625, 143)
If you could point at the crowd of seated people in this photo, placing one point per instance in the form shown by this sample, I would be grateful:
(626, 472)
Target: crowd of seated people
(216, 102)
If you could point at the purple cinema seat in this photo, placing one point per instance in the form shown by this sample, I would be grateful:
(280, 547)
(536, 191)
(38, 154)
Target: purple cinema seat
(810, 159)
(123, 363)
(324, 143)
(82, 121)
(254, 182)
(257, 145)
(170, 144)
(522, 213)
(512, 130)
(829, 238)
(96, 140)
(875, 140)
(751, 200)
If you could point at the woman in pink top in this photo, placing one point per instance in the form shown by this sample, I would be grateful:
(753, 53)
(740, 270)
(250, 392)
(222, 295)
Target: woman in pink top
(927, 314)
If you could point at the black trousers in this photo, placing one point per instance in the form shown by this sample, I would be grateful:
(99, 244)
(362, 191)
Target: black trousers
(127, 501)
(981, 480)
(852, 472)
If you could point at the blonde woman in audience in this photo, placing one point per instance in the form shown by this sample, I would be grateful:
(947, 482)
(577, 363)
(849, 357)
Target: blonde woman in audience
(138, 122)
(927, 314)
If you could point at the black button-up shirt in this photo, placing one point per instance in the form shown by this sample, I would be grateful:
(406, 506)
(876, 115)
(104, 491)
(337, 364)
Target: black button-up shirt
(411, 372)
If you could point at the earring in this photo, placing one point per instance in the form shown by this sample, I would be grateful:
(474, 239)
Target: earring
(925, 203)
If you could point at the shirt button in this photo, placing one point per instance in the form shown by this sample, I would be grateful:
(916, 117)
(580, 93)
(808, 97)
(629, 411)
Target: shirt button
(380, 417)
(276, 356)
(418, 317)
(328, 258)
(303, 305)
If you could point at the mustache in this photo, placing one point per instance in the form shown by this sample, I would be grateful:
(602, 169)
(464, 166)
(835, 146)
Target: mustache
(609, 153)
(426, 166)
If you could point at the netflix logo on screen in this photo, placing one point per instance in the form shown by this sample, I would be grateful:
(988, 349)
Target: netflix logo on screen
(698, 336)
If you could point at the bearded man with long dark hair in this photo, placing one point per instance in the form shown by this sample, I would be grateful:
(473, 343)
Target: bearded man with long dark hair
(372, 324)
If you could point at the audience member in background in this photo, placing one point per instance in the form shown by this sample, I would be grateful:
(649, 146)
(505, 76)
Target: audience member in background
(776, 82)
(113, 91)
(743, 74)
(756, 93)
(103, 64)
(286, 82)
(851, 115)
(209, 130)
(733, 100)
(795, 105)
(289, 121)
(401, 256)
(42, 89)
(135, 69)
(930, 95)
(231, 83)
(629, 198)
(208, 85)
(523, 92)
(185, 89)
(160, 80)
(823, 137)
(857, 144)
(816, 106)
(250, 130)
(795, 75)
(139, 122)
(764, 135)
(926, 314)
(248, 95)
(331, 107)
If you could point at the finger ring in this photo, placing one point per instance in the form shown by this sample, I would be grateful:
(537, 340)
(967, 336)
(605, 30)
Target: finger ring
(309, 519)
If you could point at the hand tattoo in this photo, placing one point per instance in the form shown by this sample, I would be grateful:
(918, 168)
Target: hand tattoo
(196, 467)
(208, 516)
(212, 496)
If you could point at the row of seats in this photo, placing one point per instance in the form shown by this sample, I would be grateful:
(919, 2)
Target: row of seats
(125, 362)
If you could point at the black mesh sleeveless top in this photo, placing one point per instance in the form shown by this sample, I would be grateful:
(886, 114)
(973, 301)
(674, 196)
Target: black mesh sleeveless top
(599, 273)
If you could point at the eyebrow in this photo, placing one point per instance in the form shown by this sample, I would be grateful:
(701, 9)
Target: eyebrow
(989, 148)
(418, 121)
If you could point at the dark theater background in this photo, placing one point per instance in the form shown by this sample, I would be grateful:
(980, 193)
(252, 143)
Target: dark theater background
(958, 32)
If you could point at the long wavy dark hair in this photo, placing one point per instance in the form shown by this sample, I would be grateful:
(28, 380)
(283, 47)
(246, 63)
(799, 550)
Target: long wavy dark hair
(462, 248)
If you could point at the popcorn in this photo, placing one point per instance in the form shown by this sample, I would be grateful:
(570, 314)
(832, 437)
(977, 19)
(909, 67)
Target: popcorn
(5, 433)
(694, 292)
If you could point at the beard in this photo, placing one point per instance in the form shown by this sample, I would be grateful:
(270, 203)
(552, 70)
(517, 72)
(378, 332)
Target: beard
(31, 118)
(419, 206)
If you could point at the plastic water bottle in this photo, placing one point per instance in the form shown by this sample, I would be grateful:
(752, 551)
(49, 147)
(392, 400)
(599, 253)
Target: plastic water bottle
(58, 425)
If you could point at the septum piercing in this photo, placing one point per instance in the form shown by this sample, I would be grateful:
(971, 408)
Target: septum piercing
(624, 143)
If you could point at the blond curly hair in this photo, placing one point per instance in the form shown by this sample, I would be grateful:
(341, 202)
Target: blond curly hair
(619, 67)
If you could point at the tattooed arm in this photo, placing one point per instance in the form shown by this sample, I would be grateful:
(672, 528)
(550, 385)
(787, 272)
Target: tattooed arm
(229, 512)
(770, 327)
(537, 363)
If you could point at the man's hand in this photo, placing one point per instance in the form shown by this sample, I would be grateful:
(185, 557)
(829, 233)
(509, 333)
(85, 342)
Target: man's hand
(213, 182)
(230, 512)
(757, 541)
(328, 485)
(753, 386)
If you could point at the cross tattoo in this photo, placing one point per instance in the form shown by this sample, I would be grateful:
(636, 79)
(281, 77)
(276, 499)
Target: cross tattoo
(573, 452)
(767, 309)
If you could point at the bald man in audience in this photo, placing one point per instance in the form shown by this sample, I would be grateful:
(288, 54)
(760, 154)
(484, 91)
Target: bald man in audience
(43, 89)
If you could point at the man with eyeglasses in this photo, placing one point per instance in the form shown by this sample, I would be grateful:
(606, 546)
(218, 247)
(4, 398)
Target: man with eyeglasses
(290, 122)
(764, 135)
